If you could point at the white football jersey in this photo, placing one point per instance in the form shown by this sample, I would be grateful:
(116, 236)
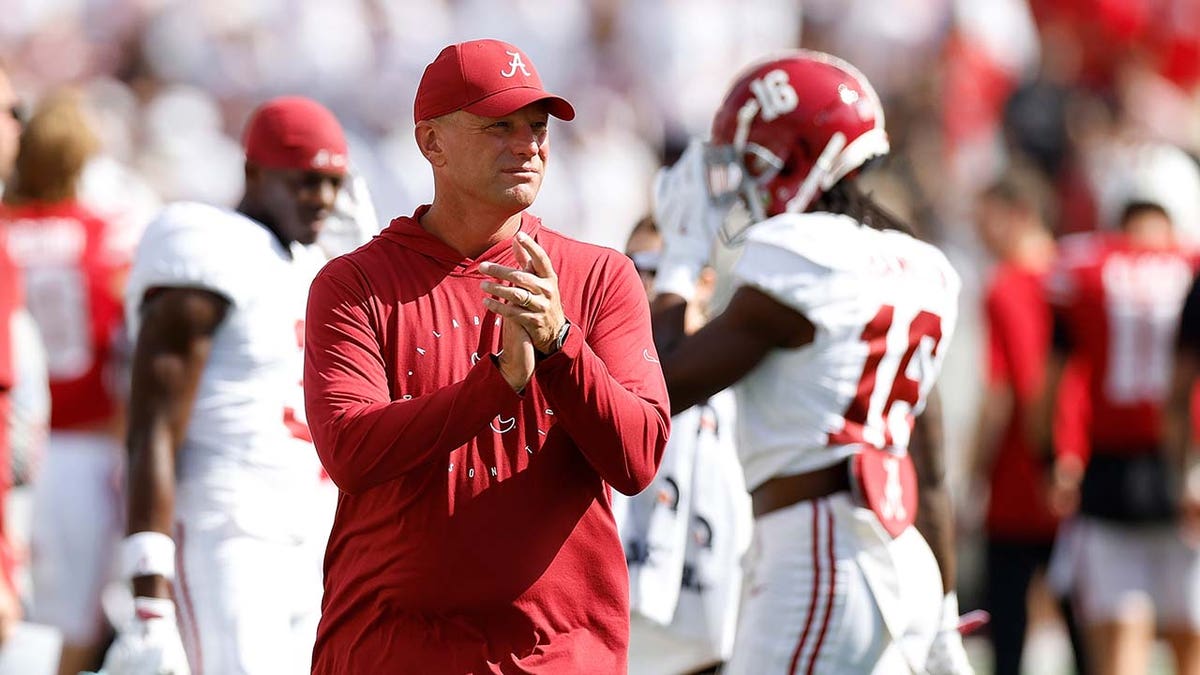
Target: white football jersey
(884, 305)
(247, 451)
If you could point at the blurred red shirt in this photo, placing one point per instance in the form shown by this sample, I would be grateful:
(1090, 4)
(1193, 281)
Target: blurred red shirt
(1018, 345)
(74, 265)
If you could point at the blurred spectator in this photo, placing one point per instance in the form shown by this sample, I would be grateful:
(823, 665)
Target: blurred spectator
(1020, 524)
(73, 265)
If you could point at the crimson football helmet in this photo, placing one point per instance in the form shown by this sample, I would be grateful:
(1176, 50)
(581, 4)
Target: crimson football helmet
(790, 128)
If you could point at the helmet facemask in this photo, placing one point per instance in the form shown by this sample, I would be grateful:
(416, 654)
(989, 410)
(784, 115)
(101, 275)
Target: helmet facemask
(731, 183)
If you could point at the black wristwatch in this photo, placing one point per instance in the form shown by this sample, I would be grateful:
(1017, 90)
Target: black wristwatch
(559, 340)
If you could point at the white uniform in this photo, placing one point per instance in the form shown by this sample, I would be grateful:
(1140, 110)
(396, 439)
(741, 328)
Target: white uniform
(251, 513)
(824, 588)
(684, 538)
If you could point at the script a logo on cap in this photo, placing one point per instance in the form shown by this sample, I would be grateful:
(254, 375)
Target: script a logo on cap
(325, 159)
(514, 65)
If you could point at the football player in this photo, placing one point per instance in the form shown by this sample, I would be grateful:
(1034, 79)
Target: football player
(224, 482)
(1117, 298)
(835, 324)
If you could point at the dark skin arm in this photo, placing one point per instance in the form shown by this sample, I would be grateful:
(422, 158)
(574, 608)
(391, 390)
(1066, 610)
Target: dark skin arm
(173, 344)
(726, 348)
(935, 516)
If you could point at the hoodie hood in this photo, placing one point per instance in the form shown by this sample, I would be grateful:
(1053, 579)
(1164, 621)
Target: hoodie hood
(407, 232)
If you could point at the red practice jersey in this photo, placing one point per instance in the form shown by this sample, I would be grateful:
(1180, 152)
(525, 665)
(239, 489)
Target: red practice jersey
(74, 265)
(474, 531)
(1118, 310)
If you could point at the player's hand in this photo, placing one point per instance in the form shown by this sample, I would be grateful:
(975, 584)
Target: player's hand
(529, 296)
(947, 656)
(149, 644)
(1062, 494)
(688, 220)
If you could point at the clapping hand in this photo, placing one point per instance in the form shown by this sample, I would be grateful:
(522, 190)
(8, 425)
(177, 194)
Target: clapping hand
(528, 300)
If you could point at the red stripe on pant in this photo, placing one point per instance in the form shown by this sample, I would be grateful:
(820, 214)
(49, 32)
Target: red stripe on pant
(828, 597)
(812, 603)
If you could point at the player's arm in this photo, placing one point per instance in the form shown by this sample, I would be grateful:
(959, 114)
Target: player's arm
(727, 348)
(173, 344)
(935, 517)
(935, 522)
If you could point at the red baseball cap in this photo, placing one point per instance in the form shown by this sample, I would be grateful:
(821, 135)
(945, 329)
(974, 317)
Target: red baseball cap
(485, 77)
(294, 132)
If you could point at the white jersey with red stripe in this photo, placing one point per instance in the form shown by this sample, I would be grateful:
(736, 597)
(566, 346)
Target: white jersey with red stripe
(247, 455)
(884, 306)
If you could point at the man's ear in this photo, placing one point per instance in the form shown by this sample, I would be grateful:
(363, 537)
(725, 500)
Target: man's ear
(429, 139)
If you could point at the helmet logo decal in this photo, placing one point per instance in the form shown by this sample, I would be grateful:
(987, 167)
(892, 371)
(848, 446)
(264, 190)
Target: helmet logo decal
(775, 93)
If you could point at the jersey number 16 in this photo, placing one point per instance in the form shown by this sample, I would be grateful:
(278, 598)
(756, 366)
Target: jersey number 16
(868, 415)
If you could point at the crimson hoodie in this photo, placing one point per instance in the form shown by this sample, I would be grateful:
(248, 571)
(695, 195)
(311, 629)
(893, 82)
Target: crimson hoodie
(474, 529)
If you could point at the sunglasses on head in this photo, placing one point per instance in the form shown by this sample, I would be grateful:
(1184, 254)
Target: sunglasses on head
(646, 261)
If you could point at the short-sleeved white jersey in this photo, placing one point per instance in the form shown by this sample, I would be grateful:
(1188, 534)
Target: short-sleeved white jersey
(247, 450)
(884, 305)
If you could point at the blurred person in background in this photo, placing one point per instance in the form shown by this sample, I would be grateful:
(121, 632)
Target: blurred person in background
(1020, 522)
(224, 484)
(1117, 298)
(73, 265)
(24, 400)
(24, 426)
(832, 337)
(685, 535)
(11, 301)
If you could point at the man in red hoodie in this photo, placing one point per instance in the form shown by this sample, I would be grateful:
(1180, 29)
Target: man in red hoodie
(475, 383)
